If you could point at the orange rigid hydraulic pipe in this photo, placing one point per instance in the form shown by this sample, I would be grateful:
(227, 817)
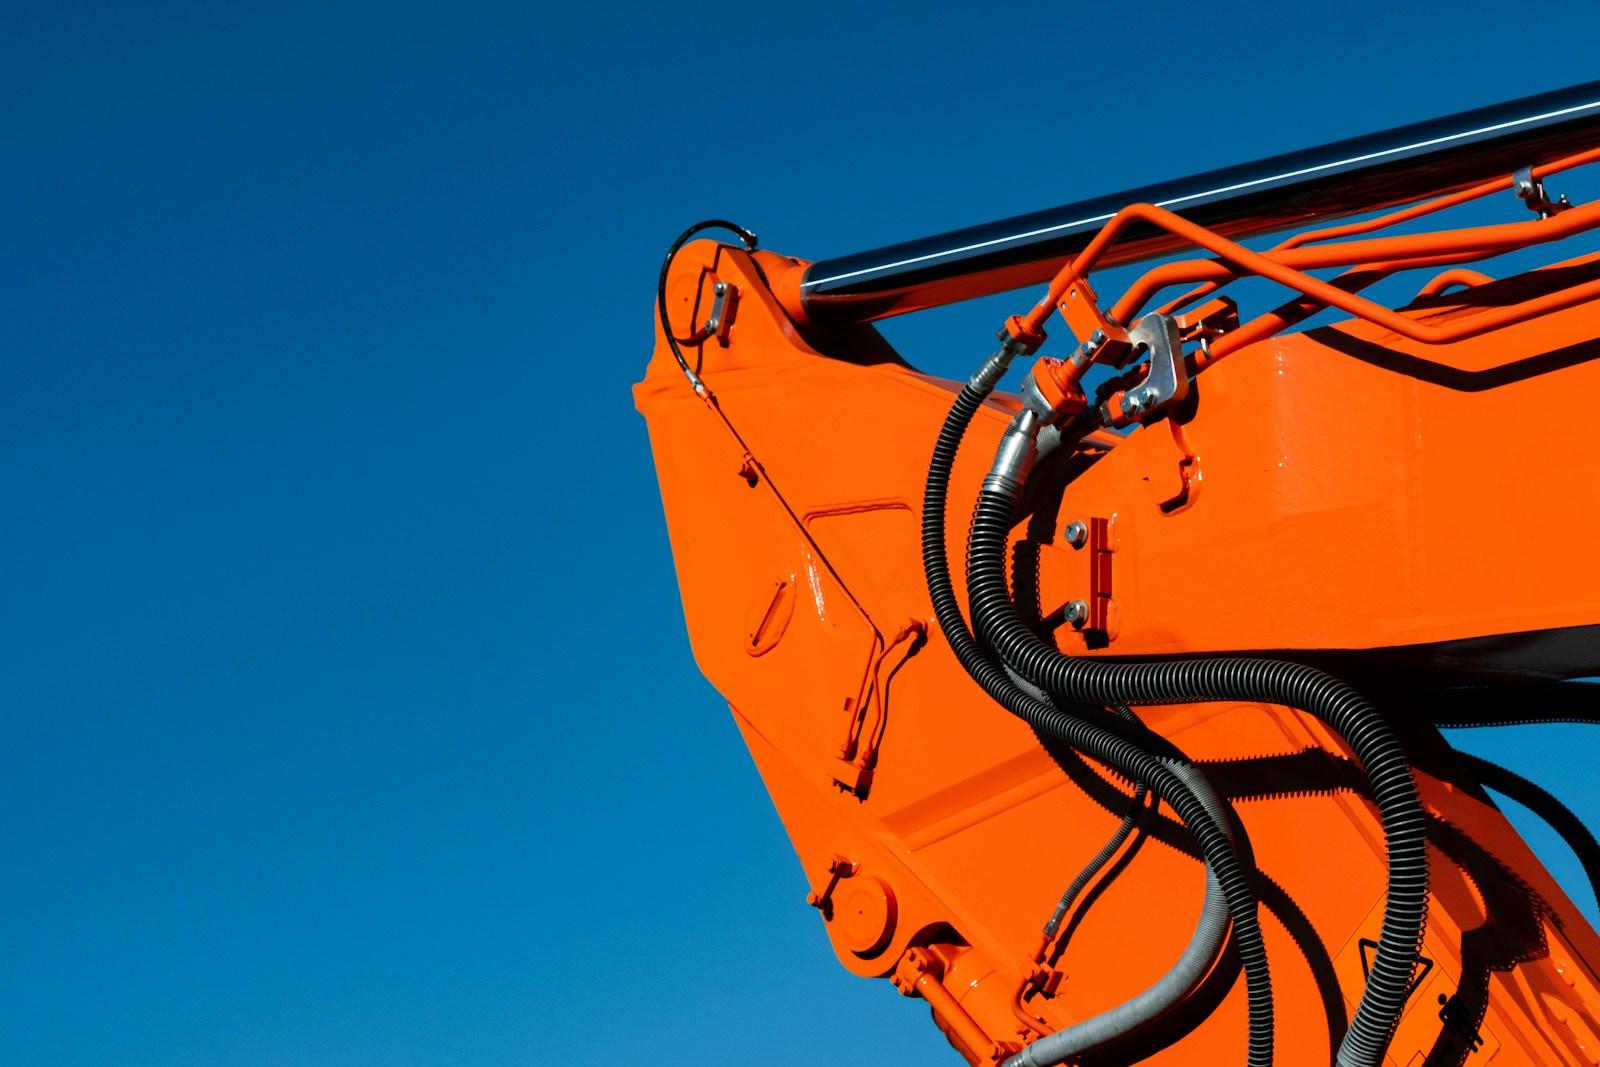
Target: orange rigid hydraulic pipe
(954, 1015)
(1458, 276)
(1393, 218)
(1281, 267)
(1353, 280)
(1422, 247)
(1442, 203)
(1286, 315)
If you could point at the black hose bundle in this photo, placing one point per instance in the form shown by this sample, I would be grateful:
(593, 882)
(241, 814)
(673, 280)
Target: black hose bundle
(997, 623)
(1120, 754)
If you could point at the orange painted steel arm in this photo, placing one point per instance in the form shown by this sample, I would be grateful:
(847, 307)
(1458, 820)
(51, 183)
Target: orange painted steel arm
(1340, 517)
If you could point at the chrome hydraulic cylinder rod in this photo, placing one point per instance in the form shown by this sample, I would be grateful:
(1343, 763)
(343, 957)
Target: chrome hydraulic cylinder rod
(1373, 172)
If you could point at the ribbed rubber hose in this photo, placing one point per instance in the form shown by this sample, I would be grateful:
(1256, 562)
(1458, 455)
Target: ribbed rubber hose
(1121, 755)
(998, 624)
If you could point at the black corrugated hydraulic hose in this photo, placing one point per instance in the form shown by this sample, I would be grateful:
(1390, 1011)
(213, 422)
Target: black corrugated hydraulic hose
(1116, 752)
(997, 623)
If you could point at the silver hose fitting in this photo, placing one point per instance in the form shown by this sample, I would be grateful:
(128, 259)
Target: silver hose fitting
(986, 377)
(1013, 460)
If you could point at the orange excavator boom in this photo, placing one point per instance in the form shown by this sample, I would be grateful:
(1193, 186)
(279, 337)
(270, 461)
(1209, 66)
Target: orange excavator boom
(1105, 715)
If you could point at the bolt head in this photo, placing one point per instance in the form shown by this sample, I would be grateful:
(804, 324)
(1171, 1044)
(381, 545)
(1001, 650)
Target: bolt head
(1133, 403)
(1075, 534)
(720, 288)
(1077, 613)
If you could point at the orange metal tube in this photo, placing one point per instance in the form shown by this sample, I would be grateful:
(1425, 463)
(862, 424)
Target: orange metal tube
(1286, 315)
(1384, 221)
(1218, 274)
(942, 1001)
(1457, 276)
(1281, 267)
(1480, 238)
(1391, 267)
(1413, 247)
(1486, 240)
(1020, 1010)
(1368, 226)
(1442, 203)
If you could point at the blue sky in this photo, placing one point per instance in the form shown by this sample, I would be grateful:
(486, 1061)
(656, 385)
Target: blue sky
(349, 716)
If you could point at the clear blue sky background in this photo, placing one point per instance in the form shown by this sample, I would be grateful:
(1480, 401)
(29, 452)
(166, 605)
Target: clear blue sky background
(346, 710)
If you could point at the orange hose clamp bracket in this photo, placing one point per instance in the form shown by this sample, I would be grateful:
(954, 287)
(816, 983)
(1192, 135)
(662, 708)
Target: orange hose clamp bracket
(1057, 383)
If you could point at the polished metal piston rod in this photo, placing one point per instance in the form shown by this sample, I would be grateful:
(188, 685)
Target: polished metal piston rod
(1372, 172)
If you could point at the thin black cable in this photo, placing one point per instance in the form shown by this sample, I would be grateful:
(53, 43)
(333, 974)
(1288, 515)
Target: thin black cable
(1101, 858)
(749, 240)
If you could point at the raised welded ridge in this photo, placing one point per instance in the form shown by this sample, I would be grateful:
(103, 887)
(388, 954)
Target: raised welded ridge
(1374, 171)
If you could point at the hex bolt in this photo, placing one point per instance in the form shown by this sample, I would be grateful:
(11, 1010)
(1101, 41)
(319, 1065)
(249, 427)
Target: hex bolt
(720, 288)
(1132, 402)
(1077, 613)
(1075, 534)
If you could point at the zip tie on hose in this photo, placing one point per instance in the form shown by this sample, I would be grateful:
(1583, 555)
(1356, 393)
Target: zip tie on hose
(998, 625)
(1118, 753)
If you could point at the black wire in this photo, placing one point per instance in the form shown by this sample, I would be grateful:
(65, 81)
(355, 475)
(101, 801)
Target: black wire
(749, 240)
(1102, 857)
